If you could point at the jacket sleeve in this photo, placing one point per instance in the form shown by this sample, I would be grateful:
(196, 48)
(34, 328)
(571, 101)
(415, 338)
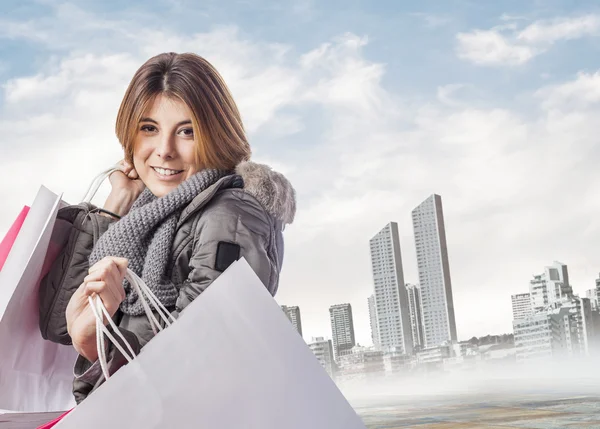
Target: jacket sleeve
(233, 226)
(88, 375)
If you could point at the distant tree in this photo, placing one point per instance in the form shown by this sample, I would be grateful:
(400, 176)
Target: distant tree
(492, 339)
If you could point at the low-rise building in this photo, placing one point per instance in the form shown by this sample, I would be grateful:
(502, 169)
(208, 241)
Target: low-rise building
(562, 329)
(362, 362)
(395, 363)
(435, 354)
(500, 352)
(323, 351)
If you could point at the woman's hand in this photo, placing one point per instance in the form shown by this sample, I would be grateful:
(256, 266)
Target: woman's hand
(126, 187)
(105, 280)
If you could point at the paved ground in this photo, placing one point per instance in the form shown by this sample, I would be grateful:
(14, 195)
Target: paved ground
(527, 411)
(494, 408)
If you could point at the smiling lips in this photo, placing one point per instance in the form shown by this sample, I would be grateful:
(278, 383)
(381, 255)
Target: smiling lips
(167, 173)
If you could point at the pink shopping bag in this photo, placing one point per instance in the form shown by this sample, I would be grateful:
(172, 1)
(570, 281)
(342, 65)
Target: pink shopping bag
(53, 422)
(11, 236)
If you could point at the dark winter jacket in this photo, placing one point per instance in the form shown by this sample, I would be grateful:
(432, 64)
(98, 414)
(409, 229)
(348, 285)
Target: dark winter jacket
(222, 224)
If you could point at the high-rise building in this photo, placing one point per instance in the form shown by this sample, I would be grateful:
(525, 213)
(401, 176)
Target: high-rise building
(550, 287)
(391, 299)
(414, 305)
(437, 304)
(582, 314)
(521, 306)
(342, 329)
(323, 351)
(293, 313)
(598, 290)
(373, 322)
(592, 295)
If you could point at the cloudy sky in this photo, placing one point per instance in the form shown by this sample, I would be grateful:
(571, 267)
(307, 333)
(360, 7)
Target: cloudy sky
(368, 109)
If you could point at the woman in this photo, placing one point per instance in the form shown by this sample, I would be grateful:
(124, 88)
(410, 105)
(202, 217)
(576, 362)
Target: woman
(186, 204)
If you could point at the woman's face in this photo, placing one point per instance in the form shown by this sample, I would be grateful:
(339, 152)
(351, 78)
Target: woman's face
(164, 154)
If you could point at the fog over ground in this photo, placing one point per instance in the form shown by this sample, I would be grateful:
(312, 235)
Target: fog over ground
(578, 377)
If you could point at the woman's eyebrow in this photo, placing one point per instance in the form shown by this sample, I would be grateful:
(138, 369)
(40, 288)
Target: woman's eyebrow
(186, 122)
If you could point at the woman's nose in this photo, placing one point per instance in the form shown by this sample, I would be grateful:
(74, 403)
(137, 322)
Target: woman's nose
(166, 147)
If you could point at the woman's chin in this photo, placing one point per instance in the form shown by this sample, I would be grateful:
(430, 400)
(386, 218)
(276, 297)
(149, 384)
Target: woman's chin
(161, 189)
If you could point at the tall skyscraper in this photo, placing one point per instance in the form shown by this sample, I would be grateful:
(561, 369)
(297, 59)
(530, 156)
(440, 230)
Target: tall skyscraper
(391, 298)
(414, 305)
(437, 305)
(373, 322)
(521, 306)
(550, 287)
(342, 329)
(293, 313)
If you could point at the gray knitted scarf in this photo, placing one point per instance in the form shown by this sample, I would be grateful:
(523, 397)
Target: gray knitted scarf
(145, 236)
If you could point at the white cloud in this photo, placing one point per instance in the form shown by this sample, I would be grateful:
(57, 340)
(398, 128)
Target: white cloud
(582, 92)
(63, 80)
(445, 93)
(338, 76)
(506, 45)
(490, 47)
(22, 30)
(560, 29)
(518, 187)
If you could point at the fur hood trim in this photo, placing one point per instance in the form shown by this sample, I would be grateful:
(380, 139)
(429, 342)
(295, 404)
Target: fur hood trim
(272, 190)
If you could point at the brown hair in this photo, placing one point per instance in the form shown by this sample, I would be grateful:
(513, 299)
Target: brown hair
(218, 129)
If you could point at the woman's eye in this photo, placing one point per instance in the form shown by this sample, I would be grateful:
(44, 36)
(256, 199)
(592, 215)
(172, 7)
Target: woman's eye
(148, 128)
(187, 132)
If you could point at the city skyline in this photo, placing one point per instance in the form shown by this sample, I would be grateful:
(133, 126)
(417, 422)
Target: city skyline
(555, 278)
(551, 287)
(522, 304)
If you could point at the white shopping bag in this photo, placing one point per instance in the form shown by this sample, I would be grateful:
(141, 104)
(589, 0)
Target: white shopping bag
(232, 360)
(35, 375)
